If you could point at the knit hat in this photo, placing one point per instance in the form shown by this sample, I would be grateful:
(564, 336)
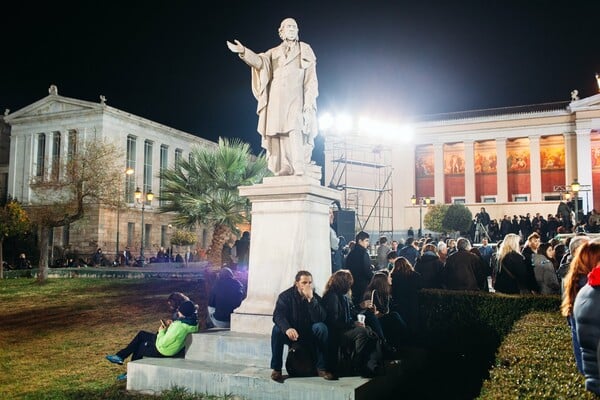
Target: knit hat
(187, 308)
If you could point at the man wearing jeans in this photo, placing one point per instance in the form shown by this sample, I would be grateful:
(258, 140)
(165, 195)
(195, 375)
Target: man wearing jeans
(299, 316)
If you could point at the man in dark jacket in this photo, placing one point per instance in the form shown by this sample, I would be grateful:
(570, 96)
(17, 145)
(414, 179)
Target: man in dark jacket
(463, 269)
(299, 316)
(359, 264)
(410, 251)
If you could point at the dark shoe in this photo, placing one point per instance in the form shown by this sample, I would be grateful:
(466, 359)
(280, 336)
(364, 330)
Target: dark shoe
(276, 376)
(326, 375)
(115, 359)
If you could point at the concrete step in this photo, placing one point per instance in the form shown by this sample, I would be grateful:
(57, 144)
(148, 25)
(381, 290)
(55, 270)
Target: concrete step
(221, 362)
(222, 345)
(154, 375)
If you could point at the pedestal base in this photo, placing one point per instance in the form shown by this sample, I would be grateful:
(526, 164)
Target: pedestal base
(290, 232)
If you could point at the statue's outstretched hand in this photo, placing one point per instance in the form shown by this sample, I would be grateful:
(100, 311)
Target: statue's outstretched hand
(235, 48)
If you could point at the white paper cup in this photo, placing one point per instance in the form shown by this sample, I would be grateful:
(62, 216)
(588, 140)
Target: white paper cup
(361, 318)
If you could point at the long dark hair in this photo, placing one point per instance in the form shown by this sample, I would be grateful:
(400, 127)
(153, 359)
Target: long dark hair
(379, 282)
(340, 282)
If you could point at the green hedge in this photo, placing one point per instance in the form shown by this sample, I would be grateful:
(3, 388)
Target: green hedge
(458, 337)
(535, 361)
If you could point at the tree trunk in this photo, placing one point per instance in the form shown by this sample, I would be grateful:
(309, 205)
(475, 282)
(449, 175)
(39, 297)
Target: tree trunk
(43, 267)
(220, 235)
(1, 260)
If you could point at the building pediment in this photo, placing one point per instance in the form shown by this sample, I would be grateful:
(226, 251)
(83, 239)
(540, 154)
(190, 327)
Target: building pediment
(52, 106)
(588, 103)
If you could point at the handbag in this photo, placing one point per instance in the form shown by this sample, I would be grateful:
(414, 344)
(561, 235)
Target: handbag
(300, 360)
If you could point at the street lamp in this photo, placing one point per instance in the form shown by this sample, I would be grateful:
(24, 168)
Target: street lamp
(575, 186)
(139, 198)
(421, 200)
(128, 171)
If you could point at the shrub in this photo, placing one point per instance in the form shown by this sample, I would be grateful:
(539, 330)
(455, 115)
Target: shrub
(536, 361)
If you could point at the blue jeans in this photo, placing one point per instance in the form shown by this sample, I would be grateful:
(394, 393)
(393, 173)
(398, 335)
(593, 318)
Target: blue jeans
(320, 337)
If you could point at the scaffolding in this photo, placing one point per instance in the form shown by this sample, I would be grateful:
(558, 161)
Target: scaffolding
(363, 172)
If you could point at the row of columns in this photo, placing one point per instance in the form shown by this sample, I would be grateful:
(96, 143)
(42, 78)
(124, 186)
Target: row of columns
(577, 143)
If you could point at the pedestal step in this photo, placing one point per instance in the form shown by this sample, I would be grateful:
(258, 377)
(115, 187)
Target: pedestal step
(154, 375)
(221, 362)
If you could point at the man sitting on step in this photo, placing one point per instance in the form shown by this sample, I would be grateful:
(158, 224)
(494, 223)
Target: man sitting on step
(299, 316)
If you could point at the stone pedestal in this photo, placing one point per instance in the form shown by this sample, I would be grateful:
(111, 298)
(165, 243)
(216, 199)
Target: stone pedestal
(290, 232)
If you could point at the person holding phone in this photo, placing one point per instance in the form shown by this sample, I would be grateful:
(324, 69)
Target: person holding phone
(168, 342)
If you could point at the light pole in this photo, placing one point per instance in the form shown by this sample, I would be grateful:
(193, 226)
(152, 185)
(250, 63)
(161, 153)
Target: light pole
(575, 186)
(128, 171)
(142, 199)
(421, 200)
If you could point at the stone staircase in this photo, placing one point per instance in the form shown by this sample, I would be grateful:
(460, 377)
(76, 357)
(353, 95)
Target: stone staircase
(221, 362)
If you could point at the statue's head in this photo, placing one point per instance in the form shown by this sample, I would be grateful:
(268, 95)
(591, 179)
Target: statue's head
(288, 30)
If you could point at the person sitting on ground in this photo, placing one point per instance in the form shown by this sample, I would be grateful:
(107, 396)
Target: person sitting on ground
(225, 296)
(168, 342)
(174, 300)
(388, 324)
(299, 316)
(98, 258)
(346, 332)
(544, 271)
(23, 262)
(406, 283)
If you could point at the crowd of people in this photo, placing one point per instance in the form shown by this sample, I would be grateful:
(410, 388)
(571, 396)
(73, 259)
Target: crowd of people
(369, 307)
(370, 304)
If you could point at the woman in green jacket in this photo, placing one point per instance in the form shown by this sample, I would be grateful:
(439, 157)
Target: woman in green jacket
(168, 342)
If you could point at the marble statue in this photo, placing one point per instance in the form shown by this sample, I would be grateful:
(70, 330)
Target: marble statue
(284, 83)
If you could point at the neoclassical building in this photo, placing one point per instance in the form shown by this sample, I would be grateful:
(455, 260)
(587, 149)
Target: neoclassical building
(42, 134)
(510, 160)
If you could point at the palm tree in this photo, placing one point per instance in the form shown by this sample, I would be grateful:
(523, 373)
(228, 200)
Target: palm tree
(204, 190)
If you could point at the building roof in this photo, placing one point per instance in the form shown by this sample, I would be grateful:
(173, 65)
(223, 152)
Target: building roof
(491, 112)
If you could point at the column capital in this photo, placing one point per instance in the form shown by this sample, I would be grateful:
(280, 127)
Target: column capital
(583, 132)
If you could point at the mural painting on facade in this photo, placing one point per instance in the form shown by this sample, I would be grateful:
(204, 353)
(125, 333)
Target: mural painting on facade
(485, 162)
(552, 157)
(517, 155)
(424, 170)
(595, 145)
(454, 159)
(424, 164)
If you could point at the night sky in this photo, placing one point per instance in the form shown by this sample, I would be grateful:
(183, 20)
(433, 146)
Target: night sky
(388, 59)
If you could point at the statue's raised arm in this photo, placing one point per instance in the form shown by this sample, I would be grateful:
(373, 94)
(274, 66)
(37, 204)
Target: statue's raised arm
(236, 47)
(284, 83)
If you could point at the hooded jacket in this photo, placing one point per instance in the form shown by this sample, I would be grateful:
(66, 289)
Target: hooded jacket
(587, 318)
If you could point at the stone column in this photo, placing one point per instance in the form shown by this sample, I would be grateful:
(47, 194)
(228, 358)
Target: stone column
(570, 157)
(501, 171)
(535, 169)
(470, 173)
(290, 232)
(438, 179)
(584, 167)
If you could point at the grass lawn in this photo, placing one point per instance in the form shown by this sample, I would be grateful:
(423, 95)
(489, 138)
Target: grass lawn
(54, 336)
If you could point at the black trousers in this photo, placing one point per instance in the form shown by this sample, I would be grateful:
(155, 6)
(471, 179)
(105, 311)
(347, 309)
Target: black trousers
(142, 345)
